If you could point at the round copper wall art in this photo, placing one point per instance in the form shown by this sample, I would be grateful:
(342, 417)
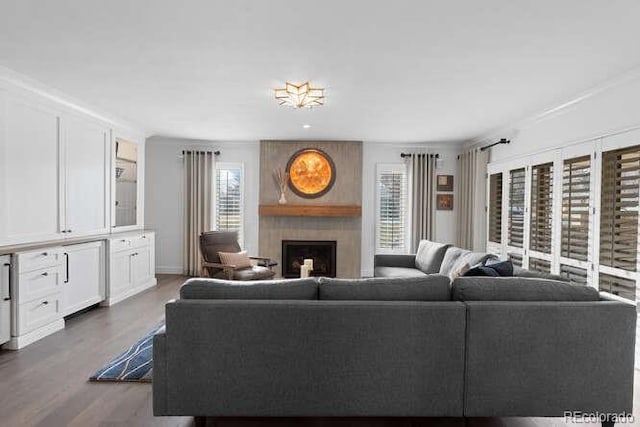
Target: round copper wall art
(311, 173)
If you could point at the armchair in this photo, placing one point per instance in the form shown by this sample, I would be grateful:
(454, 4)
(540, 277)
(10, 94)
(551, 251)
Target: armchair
(212, 242)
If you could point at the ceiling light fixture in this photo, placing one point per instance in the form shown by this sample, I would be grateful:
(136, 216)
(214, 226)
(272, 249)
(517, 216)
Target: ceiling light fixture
(299, 96)
(306, 126)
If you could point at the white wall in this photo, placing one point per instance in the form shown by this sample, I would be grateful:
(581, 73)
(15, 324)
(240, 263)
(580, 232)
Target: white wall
(375, 153)
(607, 109)
(164, 193)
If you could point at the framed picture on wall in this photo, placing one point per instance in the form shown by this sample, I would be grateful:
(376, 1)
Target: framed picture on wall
(444, 202)
(445, 182)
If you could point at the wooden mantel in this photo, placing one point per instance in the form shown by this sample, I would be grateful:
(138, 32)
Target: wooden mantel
(311, 210)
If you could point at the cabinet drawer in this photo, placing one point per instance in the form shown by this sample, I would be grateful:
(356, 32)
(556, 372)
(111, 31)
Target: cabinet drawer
(36, 284)
(39, 259)
(38, 313)
(141, 240)
(116, 245)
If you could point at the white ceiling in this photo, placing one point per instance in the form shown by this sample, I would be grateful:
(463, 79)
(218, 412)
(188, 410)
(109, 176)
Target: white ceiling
(395, 71)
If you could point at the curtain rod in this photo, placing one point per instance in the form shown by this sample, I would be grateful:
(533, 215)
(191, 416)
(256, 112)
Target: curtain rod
(502, 141)
(403, 155)
(215, 153)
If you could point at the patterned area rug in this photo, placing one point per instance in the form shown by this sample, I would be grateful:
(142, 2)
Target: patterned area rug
(135, 364)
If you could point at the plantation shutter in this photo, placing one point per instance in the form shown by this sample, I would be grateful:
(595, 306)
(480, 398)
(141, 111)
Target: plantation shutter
(619, 208)
(229, 200)
(541, 207)
(516, 207)
(391, 227)
(495, 208)
(576, 175)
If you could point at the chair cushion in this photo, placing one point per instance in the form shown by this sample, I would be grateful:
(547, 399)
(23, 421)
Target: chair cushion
(397, 272)
(519, 289)
(433, 287)
(294, 289)
(253, 273)
(455, 258)
(429, 256)
(239, 259)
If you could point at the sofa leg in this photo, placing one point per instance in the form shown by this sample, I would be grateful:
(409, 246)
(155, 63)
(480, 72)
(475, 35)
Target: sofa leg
(200, 421)
(611, 420)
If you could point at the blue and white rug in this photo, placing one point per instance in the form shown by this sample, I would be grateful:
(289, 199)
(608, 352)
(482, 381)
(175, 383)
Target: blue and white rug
(135, 364)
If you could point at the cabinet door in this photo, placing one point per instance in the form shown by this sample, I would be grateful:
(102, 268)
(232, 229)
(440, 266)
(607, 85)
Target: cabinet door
(120, 273)
(142, 267)
(85, 176)
(30, 173)
(5, 303)
(84, 277)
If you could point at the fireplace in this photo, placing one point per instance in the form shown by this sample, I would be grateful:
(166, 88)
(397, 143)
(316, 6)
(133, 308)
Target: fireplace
(323, 253)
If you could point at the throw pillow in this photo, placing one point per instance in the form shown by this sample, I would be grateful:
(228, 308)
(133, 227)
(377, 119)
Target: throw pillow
(496, 269)
(460, 271)
(239, 259)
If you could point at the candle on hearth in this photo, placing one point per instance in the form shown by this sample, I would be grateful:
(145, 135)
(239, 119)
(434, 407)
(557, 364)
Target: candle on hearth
(304, 271)
(309, 263)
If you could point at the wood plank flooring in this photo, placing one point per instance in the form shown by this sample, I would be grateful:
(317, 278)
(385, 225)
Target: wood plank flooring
(45, 384)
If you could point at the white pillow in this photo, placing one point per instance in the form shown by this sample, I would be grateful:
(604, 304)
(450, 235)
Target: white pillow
(239, 259)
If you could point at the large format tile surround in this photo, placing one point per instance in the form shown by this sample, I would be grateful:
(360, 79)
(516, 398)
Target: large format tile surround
(347, 190)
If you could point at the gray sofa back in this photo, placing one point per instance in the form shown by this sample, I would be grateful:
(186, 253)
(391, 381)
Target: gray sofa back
(294, 289)
(426, 288)
(519, 289)
(310, 358)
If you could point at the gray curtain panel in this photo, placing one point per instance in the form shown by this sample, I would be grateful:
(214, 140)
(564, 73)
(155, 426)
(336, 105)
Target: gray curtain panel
(198, 173)
(422, 176)
(471, 194)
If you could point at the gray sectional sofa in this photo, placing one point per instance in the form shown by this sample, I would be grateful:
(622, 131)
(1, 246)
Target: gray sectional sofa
(400, 347)
(440, 258)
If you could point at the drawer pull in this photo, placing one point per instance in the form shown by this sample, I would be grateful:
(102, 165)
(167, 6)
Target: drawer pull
(45, 303)
(45, 253)
(45, 274)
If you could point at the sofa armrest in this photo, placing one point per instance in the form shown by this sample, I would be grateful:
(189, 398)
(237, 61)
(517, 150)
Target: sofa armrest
(395, 260)
(160, 378)
(543, 358)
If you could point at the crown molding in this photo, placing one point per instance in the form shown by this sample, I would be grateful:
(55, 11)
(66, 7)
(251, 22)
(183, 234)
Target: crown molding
(511, 131)
(13, 80)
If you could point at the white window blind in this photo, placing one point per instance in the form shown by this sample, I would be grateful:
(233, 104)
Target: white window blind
(576, 176)
(619, 208)
(516, 207)
(495, 208)
(391, 223)
(541, 217)
(228, 202)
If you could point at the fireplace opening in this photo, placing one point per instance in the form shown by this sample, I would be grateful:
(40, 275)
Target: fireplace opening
(322, 252)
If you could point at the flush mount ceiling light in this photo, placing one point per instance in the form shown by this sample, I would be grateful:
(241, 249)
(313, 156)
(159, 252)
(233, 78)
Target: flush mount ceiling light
(299, 96)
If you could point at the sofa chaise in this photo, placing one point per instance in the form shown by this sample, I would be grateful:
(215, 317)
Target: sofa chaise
(393, 347)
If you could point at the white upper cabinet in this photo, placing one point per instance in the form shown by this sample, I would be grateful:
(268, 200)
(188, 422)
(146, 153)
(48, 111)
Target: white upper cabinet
(126, 184)
(29, 172)
(84, 177)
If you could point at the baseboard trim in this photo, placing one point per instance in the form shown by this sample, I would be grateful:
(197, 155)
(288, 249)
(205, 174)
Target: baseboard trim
(16, 343)
(168, 270)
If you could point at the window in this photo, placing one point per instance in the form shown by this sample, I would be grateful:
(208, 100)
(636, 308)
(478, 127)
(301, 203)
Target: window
(619, 208)
(540, 265)
(541, 208)
(516, 207)
(495, 208)
(575, 275)
(228, 201)
(576, 175)
(624, 288)
(391, 234)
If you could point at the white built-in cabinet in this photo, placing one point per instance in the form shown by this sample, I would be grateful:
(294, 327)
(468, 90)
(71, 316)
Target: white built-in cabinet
(131, 265)
(84, 283)
(5, 299)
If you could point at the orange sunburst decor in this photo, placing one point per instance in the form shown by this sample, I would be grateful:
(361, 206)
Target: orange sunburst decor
(311, 173)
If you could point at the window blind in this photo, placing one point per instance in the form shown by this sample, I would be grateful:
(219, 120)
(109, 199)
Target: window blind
(540, 265)
(624, 288)
(619, 208)
(576, 175)
(391, 227)
(495, 208)
(516, 207)
(541, 208)
(229, 201)
(574, 274)
(516, 259)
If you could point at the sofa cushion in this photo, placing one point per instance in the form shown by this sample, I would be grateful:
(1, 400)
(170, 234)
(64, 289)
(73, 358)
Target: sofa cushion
(430, 255)
(519, 289)
(523, 272)
(397, 272)
(433, 287)
(294, 289)
(455, 258)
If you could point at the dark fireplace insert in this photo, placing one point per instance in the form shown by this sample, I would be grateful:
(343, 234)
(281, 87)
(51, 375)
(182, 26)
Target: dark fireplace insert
(323, 253)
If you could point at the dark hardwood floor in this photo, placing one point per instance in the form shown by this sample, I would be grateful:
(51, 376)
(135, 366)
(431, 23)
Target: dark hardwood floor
(45, 384)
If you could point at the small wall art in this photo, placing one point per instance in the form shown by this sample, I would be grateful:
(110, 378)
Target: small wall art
(444, 202)
(445, 183)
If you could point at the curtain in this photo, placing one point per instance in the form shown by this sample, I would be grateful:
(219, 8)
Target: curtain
(471, 190)
(198, 172)
(422, 176)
